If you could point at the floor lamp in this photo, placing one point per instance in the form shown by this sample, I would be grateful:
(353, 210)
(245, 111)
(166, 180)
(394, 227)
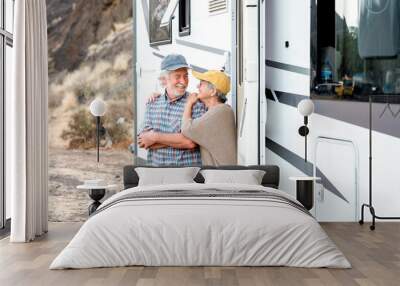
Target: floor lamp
(98, 109)
(370, 205)
(96, 188)
(305, 185)
(305, 108)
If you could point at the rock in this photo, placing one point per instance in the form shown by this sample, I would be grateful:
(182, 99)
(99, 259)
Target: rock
(73, 26)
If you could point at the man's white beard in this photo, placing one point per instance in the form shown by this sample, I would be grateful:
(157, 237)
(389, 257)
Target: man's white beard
(177, 94)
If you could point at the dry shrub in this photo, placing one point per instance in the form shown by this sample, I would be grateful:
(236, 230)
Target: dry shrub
(74, 87)
(117, 27)
(87, 83)
(54, 101)
(81, 131)
(120, 91)
(119, 132)
(99, 70)
(93, 49)
(105, 84)
(56, 94)
(121, 62)
(84, 93)
(101, 77)
(70, 101)
(76, 78)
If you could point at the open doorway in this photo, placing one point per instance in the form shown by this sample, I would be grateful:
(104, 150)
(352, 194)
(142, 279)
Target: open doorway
(90, 56)
(240, 107)
(249, 67)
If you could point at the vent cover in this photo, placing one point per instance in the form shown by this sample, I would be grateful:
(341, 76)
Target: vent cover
(217, 6)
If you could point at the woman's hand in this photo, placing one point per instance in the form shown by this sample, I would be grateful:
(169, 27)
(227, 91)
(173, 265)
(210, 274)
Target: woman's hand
(153, 97)
(192, 99)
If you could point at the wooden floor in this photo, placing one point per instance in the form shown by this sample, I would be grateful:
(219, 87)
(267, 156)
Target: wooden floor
(375, 257)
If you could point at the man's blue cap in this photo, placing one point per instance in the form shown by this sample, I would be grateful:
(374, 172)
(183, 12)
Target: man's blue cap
(173, 62)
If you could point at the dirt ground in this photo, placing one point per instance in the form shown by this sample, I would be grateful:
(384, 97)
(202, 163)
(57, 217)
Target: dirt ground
(69, 168)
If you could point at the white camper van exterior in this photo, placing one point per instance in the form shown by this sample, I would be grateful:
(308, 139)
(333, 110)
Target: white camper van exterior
(211, 44)
(265, 47)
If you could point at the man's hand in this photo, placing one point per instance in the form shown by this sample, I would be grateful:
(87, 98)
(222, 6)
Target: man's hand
(146, 139)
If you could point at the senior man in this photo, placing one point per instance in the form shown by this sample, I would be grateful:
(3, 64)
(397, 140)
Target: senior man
(162, 135)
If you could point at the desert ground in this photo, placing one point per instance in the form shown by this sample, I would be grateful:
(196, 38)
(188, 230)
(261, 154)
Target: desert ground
(69, 168)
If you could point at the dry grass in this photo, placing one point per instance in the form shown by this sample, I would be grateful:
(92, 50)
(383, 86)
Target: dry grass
(70, 101)
(100, 70)
(76, 79)
(77, 89)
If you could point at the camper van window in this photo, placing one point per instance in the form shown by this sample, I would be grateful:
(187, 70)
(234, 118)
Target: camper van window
(160, 11)
(184, 17)
(355, 47)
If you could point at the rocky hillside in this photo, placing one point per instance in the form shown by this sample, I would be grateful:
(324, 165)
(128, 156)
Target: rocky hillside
(75, 25)
(90, 48)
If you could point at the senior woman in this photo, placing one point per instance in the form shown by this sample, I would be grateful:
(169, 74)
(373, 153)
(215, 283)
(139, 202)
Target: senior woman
(214, 131)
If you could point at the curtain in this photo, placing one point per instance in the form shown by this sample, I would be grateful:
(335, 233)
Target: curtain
(26, 118)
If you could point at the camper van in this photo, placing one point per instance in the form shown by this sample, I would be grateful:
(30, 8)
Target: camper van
(278, 53)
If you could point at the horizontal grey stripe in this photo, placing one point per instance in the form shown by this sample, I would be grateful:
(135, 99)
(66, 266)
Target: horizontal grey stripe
(196, 68)
(352, 112)
(299, 163)
(285, 97)
(287, 67)
(357, 113)
(201, 47)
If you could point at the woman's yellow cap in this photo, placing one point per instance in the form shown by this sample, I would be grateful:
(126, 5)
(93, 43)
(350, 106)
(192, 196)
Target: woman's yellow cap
(219, 79)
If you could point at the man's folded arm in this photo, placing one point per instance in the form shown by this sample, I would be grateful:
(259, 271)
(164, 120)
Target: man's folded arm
(158, 146)
(174, 140)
